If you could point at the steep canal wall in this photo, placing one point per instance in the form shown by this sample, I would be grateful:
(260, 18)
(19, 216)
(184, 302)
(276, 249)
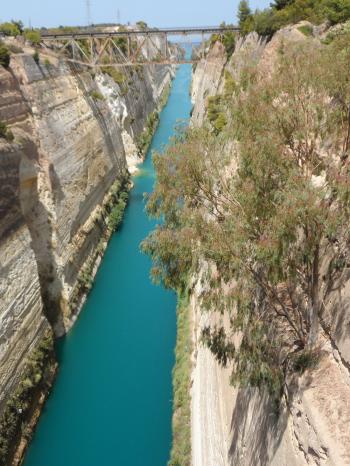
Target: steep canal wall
(238, 426)
(76, 134)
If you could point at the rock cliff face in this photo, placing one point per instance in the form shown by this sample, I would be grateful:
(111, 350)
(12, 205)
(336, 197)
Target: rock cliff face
(75, 132)
(234, 426)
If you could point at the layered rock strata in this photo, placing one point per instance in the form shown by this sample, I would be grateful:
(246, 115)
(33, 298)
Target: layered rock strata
(75, 130)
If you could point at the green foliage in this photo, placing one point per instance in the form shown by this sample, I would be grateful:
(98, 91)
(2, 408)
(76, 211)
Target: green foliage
(229, 42)
(264, 23)
(122, 43)
(141, 25)
(164, 97)
(216, 114)
(117, 212)
(244, 12)
(109, 221)
(33, 380)
(5, 132)
(4, 55)
(306, 360)
(146, 136)
(283, 12)
(336, 11)
(181, 446)
(32, 36)
(117, 75)
(10, 29)
(306, 30)
(280, 4)
(264, 221)
(36, 57)
(96, 95)
(230, 84)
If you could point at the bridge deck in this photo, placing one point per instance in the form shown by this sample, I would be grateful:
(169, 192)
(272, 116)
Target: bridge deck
(142, 32)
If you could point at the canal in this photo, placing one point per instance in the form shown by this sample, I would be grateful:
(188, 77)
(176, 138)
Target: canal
(112, 400)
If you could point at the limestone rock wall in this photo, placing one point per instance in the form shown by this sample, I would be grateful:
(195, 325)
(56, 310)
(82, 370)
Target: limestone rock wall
(232, 426)
(72, 129)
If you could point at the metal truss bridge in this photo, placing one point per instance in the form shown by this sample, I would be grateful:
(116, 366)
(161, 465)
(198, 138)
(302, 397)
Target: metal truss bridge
(130, 47)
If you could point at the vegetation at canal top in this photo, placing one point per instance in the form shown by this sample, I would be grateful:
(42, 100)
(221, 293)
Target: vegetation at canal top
(4, 55)
(181, 447)
(35, 380)
(283, 12)
(32, 36)
(228, 40)
(16, 28)
(262, 210)
(13, 28)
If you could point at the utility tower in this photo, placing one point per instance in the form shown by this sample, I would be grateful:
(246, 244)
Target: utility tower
(88, 12)
(118, 16)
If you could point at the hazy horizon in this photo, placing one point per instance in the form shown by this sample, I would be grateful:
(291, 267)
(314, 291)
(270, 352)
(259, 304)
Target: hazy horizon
(157, 13)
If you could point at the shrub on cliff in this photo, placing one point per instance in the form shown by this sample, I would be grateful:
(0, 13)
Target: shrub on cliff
(146, 136)
(4, 55)
(34, 380)
(117, 75)
(216, 113)
(36, 57)
(269, 236)
(96, 95)
(5, 132)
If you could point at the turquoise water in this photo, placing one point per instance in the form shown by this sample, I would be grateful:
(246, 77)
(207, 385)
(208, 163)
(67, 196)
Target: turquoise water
(112, 400)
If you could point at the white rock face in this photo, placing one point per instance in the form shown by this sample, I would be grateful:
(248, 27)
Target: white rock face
(69, 148)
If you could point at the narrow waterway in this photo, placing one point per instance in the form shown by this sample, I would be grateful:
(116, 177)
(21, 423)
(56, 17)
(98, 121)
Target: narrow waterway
(112, 400)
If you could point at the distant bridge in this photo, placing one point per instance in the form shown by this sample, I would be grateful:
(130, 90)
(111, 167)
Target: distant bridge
(129, 47)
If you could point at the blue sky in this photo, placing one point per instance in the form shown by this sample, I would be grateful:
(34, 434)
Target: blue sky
(155, 12)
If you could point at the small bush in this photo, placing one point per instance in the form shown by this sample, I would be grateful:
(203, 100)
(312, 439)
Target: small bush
(146, 136)
(10, 29)
(36, 57)
(96, 95)
(117, 213)
(4, 55)
(216, 114)
(142, 25)
(32, 36)
(14, 418)
(306, 360)
(229, 42)
(306, 30)
(230, 84)
(5, 133)
(117, 75)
